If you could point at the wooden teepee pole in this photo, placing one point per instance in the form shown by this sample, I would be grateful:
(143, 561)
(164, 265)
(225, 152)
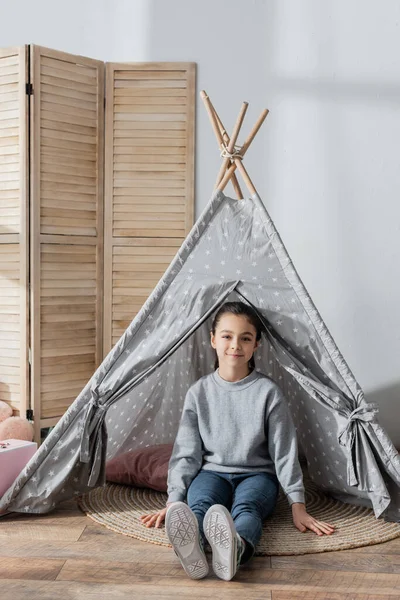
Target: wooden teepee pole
(237, 161)
(230, 145)
(221, 173)
(212, 113)
(243, 151)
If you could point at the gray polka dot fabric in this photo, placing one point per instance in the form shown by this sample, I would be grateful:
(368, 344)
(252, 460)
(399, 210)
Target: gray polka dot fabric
(135, 397)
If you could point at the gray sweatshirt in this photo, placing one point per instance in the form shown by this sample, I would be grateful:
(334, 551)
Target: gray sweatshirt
(235, 427)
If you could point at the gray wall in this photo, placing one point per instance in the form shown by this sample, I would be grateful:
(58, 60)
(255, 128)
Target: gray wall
(326, 162)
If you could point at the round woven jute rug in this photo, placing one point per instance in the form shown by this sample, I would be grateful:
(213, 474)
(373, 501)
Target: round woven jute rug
(119, 508)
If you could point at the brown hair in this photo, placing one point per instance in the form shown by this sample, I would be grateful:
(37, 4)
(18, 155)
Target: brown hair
(241, 309)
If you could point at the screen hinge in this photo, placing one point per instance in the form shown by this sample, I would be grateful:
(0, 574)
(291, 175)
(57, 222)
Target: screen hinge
(29, 89)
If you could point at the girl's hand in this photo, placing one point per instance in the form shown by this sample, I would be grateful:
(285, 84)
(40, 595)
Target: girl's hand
(304, 521)
(157, 518)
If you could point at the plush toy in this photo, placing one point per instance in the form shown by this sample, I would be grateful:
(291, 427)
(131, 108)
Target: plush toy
(16, 428)
(5, 411)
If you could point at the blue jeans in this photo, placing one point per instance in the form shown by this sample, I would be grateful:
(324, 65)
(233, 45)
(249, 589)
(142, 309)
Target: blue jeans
(250, 498)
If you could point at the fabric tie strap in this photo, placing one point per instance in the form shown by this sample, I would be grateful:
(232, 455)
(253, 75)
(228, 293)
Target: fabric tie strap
(94, 416)
(366, 412)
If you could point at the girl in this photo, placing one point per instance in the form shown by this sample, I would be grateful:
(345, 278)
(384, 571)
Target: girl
(235, 444)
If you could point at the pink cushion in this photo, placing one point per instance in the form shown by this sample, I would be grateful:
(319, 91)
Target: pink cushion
(145, 467)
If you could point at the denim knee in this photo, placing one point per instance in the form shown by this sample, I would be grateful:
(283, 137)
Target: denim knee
(249, 506)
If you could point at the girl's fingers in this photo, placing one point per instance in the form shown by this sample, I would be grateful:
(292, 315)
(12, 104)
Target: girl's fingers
(315, 529)
(325, 523)
(148, 519)
(144, 517)
(321, 528)
(325, 526)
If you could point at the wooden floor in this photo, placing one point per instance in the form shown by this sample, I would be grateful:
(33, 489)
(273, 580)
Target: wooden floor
(67, 556)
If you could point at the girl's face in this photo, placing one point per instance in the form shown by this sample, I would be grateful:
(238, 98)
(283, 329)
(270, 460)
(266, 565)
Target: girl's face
(234, 340)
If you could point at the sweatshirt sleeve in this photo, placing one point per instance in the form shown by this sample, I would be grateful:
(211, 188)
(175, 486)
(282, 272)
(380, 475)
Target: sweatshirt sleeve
(187, 453)
(282, 446)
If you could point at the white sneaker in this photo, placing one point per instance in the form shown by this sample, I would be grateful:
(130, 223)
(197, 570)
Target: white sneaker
(182, 530)
(226, 544)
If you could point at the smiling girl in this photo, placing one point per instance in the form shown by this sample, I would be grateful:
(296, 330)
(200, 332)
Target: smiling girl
(235, 444)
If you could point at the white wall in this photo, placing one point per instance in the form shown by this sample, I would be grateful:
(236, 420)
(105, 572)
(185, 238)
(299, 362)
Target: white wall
(332, 177)
(326, 162)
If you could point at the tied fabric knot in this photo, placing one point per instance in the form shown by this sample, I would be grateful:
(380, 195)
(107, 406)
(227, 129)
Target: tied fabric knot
(94, 401)
(366, 412)
(91, 423)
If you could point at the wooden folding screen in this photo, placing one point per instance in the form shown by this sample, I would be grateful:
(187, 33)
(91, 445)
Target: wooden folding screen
(149, 181)
(53, 329)
(14, 291)
(66, 228)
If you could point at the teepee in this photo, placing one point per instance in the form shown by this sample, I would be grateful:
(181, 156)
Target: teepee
(135, 397)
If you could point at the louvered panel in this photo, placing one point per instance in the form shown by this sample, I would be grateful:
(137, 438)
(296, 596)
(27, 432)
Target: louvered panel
(12, 73)
(68, 291)
(14, 334)
(149, 182)
(10, 325)
(136, 270)
(70, 153)
(152, 105)
(67, 228)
